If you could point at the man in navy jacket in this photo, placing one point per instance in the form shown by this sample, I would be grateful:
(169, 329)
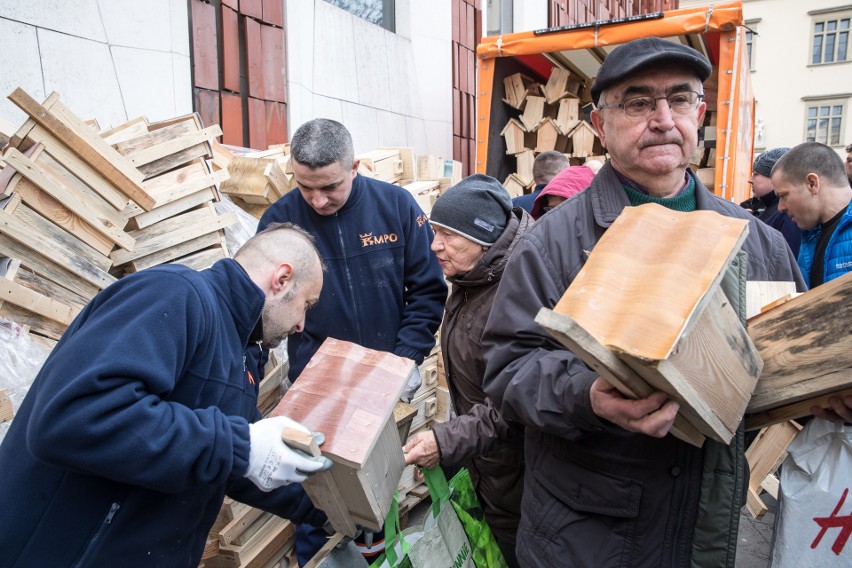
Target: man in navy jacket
(383, 288)
(144, 415)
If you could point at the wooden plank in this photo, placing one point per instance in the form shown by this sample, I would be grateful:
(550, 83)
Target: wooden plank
(791, 411)
(30, 300)
(176, 160)
(69, 199)
(173, 146)
(241, 522)
(156, 134)
(69, 165)
(46, 267)
(177, 184)
(36, 233)
(764, 456)
(176, 253)
(148, 218)
(760, 294)
(204, 259)
(173, 231)
(271, 538)
(806, 349)
(26, 277)
(18, 139)
(127, 131)
(86, 144)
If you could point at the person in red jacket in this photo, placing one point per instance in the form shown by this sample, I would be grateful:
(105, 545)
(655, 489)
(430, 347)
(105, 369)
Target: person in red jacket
(568, 182)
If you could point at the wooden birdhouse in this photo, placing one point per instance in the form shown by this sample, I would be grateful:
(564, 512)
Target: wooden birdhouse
(525, 166)
(584, 141)
(550, 137)
(517, 138)
(568, 114)
(560, 84)
(514, 186)
(348, 393)
(647, 317)
(518, 87)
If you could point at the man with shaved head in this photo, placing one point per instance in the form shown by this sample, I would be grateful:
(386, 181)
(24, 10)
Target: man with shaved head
(144, 416)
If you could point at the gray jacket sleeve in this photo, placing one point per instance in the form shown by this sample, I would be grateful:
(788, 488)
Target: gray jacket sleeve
(472, 435)
(532, 378)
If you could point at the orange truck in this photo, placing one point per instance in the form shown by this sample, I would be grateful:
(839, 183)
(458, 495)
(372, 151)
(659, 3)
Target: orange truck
(716, 30)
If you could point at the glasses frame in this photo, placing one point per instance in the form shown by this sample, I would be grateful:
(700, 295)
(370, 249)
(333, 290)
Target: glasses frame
(653, 108)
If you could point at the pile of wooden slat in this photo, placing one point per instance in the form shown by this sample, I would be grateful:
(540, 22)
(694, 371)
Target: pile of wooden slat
(182, 226)
(64, 193)
(81, 208)
(245, 537)
(256, 178)
(432, 405)
(547, 118)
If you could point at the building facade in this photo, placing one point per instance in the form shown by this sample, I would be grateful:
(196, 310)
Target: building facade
(801, 68)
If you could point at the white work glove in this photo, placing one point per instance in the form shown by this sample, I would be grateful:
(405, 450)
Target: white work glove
(414, 382)
(272, 463)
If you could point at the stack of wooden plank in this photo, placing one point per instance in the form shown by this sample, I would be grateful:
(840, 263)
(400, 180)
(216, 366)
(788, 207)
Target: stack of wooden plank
(548, 118)
(182, 226)
(431, 403)
(65, 191)
(245, 537)
(257, 178)
(648, 318)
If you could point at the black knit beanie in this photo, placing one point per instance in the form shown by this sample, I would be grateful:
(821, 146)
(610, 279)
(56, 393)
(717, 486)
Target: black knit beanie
(477, 208)
(763, 164)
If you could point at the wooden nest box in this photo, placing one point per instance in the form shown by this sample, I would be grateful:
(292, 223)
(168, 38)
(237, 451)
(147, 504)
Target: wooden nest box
(648, 314)
(348, 393)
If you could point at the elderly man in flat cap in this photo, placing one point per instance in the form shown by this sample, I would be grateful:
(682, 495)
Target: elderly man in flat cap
(606, 484)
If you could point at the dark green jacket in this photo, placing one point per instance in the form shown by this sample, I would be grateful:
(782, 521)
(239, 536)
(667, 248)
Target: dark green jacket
(595, 494)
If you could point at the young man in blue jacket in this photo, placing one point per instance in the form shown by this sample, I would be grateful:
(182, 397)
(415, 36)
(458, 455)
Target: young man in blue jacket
(145, 415)
(811, 184)
(384, 288)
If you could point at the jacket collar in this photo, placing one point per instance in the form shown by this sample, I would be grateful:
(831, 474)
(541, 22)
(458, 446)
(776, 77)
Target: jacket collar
(609, 199)
(240, 297)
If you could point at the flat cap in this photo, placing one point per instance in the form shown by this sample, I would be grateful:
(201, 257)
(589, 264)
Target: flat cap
(627, 59)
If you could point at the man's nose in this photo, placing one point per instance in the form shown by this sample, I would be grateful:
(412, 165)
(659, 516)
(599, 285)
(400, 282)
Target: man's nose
(662, 114)
(319, 201)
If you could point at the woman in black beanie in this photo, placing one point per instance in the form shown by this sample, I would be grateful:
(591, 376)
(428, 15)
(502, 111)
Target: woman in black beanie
(475, 230)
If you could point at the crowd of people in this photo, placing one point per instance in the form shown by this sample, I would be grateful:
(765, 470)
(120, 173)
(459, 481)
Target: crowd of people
(144, 416)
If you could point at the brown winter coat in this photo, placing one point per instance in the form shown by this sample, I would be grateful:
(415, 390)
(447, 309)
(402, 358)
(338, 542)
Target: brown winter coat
(479, 438)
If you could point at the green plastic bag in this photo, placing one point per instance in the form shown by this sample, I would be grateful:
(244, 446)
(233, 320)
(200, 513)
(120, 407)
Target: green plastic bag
(486, 553)
(440, 542)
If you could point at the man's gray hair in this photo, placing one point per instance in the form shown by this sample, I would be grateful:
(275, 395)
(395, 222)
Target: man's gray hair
(321, 142)
(547, 164)
(812, 157)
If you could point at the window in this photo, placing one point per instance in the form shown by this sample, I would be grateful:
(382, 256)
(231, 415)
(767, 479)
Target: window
(751, 35)
(830, 38)
(379, 12)
(824, 121)
(498, 14)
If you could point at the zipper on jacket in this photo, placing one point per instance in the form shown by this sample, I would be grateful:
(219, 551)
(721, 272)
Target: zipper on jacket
(90, 548)
(354, 303)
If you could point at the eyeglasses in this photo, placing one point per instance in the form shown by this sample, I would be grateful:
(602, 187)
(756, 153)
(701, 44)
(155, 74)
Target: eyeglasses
(681, 102)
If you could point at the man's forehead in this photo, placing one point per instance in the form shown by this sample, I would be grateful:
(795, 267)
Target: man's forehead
(664, 78)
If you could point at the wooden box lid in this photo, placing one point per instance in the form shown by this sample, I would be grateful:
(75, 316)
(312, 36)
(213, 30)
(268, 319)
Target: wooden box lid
(348, 393)
(650, 273)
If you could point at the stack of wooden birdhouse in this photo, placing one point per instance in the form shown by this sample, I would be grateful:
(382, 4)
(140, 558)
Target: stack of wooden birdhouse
(548, 117)
(703, 161)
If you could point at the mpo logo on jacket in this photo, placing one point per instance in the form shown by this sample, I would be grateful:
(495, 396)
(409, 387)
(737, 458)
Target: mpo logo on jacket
(369, 240)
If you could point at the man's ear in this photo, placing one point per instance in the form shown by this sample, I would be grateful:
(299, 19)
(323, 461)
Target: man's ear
(812, 183)
(281, 278)
(597, 122)
(355, 165)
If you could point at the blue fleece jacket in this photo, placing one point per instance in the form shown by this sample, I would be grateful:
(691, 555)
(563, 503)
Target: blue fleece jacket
(838, 253)
(137, 425)
(383, 288)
